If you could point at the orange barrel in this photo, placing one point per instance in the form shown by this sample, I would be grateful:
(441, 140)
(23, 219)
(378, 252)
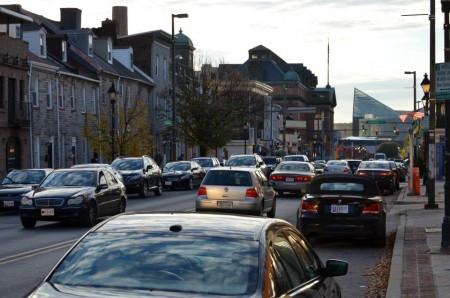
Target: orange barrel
(416, 181)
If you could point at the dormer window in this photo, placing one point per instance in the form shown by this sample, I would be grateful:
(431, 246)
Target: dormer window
(64, 51)
(42, 45)
(109, 52)
(131, 60)
(254, 56)
(91, 46)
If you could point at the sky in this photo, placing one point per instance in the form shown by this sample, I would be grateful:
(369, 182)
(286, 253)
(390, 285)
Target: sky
(371, 43)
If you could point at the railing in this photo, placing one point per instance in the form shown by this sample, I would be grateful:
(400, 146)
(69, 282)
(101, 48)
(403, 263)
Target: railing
(19, 114)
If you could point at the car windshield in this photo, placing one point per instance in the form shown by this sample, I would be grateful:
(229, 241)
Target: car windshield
(177, 167)
(128, 164)
(229, 178)
(70, 178)
(241, 161)
(204, 162)
(270, 160)
(296, 158)
(24, 177)
(342, 186)
(373, 165)
(153, 262)
(337, 163)
(294, 167)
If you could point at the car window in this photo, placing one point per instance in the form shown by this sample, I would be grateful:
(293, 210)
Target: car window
(310, 265)
(110, 178)
(344, 186)
(24, 177)
(128, 164)
(229, 178)
(102, 179)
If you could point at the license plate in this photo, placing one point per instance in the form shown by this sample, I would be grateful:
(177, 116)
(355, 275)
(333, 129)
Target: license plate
(339, 208)
(289, 179)
(225, 205)
(168, 182)
(48, 212)
(8, 203)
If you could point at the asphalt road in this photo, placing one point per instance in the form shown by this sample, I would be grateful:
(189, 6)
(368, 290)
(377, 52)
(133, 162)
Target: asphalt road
(26, 256)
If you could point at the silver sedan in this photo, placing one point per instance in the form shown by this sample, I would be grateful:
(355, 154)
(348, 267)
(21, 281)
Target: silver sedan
(292, 176)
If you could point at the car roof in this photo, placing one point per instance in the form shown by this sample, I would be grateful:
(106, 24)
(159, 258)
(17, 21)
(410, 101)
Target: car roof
(90, 165)
(235, 168)
(193, 224)
(370, 186)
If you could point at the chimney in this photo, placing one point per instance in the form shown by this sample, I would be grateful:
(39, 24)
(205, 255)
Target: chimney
(70, 18)
(120, 14)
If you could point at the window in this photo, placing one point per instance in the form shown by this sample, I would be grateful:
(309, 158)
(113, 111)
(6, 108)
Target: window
(165, 69)
(61, 95)
(49, 95)
(94, 100)
(109, 52)
(131, 60)
(2, 92)
(254, 56)
(103, 95)
(310, 266)
(41, 44)
(90, 45)
(35, 92)
(83, 100)
(72, 97)
(18, 30)
(64, 51)
(156, 65)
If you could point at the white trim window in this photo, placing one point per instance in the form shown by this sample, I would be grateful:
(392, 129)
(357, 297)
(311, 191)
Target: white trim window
(110, 60)
(165, 69)
(37, 151)
(42, 45)
(90, 45)
(61, 95)
(72, 97)
(64, 51)
(35, 91)
(49, 95)
(83, 100)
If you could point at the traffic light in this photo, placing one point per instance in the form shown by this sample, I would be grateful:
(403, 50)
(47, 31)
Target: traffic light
(394, 130)
(363, 128)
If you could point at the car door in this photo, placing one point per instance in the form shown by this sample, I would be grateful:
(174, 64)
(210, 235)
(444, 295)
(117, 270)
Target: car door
(197, 173)
(267, 189)
(114, 193)
(103, 196)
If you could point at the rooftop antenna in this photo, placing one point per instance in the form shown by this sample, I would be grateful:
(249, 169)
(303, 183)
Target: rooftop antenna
(328, 65)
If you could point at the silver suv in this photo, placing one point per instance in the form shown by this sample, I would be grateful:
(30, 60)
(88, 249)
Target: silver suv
(248, 160)
(236, 190)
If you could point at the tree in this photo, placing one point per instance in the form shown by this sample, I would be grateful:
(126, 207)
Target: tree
(132, 135)
(213, 106)
(389, 148)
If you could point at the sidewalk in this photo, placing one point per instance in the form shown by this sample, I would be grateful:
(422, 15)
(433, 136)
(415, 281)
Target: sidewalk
(418, 267)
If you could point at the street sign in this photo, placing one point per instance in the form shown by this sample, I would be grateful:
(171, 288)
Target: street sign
(375, 122)
(442, 81)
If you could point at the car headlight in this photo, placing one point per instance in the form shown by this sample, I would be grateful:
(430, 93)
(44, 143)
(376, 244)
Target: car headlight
(75, 201)
(26, 201)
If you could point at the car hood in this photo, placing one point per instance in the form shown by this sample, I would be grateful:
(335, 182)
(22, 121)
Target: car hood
(14, 189)
(64, 191)
(175, 173)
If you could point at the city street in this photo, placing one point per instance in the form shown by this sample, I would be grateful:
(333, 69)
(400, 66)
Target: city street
(28, 255)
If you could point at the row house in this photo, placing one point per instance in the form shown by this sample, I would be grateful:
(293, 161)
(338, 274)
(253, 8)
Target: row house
(63, 84)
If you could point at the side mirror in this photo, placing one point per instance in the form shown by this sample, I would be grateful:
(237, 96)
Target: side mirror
(336, 268)
(102, 186)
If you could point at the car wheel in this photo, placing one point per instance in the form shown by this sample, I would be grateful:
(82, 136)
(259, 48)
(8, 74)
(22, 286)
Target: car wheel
(121, 205)
(190, 184)
(28, 223)
(159, 189)
(90, 217)
(271, 213)
(392, 190)
(260, 211)
(143, 192)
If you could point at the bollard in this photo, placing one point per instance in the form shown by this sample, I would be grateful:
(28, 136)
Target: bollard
(416, 181)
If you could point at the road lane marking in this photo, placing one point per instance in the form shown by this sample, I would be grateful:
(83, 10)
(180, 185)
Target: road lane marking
(36, 252)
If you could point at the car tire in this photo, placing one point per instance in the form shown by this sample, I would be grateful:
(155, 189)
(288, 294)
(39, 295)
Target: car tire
(89, 218)
(28, 223)
(159, 189)
(190, 184)
(260, 211)
(271, 213)
(143, 192)
(122, 205)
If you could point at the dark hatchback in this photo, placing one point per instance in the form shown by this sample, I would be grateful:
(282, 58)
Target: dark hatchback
(141, 175)
(18, 182)
(183, 174)
(343, 205)
(73, 195)
(192, 255)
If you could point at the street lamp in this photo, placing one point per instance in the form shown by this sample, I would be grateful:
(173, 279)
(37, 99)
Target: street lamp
(174, 116)
(112, 94)
(413, 161)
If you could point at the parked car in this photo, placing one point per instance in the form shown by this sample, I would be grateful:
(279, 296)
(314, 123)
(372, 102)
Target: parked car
(207, 162)
(192, 254)
(105, 166)
(18, 182)
(396, 171)
(248, 160)
(271, 162)
(238, 190)
(183, 174)
(73, 194)
(298, 157)
(141, 175)
(381, 172)
(337, 167)
(403, 171)
(343, 205)
(353, 164)
(292, 176)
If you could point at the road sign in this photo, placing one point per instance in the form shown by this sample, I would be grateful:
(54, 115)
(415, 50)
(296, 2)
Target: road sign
(375, 122)
(442, 81)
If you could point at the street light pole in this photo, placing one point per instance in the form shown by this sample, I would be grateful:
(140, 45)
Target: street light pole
(112, 93)
(174, 116)
(415, 107)
(284, 120)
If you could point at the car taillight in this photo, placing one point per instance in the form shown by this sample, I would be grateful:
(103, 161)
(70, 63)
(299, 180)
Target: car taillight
(276, 178)
(309, 207)
(384, 173)
(201, 191)
(251, 193)
(365, 173)
(302, 179)
(371, 208)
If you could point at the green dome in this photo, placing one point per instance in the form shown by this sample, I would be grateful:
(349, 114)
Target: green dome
(183, 40)
(291, 75)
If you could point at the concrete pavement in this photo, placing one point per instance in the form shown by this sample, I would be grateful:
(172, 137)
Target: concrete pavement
(419, 268)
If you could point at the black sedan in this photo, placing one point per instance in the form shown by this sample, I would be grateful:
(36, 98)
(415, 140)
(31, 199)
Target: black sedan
(381, 172)
(192, 255)
(18, 182)
(73, 194)
(343, 205)
(183, 174)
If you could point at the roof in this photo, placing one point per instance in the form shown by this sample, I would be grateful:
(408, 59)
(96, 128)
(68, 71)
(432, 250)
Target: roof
(183, 40)
(364, 104)
(188, 224)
